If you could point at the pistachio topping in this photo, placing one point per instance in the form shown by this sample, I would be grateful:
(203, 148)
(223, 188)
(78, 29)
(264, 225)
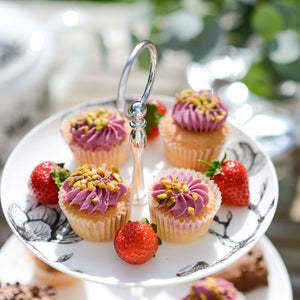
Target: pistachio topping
(171, 188)
(205, 101)
(97, 119)
(71, 182)
(181, 193)
(117, 177)
(91, 186)
(195, 196)
(171, 201)
(114, 169)
(175, 186)
(174, 189)
(191, 211)
(162, 196)
(87, 177)
(94, 201)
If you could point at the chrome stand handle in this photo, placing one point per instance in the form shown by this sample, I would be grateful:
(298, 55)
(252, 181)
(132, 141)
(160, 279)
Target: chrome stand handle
(136, 113)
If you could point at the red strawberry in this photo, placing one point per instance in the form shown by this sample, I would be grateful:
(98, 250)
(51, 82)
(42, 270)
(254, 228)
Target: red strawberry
(136, 242)
(232, 179)
(45, 181)
(155, 110)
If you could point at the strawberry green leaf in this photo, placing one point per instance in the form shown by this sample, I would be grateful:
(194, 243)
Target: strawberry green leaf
(214, 168)
(152, 117)
(154, 226)
(145, 220)
(159, 240)
(59, 174)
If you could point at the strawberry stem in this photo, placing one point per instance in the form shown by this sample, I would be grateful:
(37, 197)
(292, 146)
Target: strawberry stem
(154, 226)
(214, 167)
(59, 174)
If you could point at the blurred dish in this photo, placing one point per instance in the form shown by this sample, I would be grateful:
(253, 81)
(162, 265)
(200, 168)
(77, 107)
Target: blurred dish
(27, 46)
(24, 56)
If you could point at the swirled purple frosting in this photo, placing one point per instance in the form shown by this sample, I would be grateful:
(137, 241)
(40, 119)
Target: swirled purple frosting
(200, 111)
(181, 194)
(93, 189)
(98, 130)
(212, 288)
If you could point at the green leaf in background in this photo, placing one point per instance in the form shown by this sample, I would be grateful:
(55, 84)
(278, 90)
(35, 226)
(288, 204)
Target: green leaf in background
(290, 11)
(207, 42)
(260, 81)
(144, 57)
(267, 21)
(288, 71)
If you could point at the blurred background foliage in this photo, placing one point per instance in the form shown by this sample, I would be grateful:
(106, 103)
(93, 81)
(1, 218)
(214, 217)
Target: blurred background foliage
(269, 28)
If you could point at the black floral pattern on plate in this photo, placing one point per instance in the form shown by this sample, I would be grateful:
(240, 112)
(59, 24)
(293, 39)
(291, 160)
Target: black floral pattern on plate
(39, 222)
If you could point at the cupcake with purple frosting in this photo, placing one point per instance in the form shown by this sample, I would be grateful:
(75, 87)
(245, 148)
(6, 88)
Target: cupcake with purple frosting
(183, 203)
(96, 202)
(98, 136)
(212, 288)
(195, 130)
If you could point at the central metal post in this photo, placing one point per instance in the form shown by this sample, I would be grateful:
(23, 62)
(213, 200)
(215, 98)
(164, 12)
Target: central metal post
(136, 113)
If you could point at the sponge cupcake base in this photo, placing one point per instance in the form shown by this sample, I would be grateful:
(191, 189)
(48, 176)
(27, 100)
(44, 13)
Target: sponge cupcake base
(96, 226)
(185, 149)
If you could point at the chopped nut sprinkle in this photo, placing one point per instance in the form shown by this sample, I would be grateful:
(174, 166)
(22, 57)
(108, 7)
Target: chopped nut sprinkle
(162, 196)
(98, 119)
(172, 188)
(86, 177)
(94, 201)
(191, 211)
(171, 201)
(195, 196)
(205, 101)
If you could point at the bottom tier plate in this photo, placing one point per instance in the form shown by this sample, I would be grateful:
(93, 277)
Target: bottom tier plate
(16, 266)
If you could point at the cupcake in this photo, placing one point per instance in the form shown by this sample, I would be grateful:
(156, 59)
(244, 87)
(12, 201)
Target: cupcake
(183, 203)
(98, 136)
(212, 288)
(96, 202)
(195, 130)
(49, 275)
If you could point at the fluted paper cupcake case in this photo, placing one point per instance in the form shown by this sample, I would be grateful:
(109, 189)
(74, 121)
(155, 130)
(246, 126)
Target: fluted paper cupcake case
(93, 229)
(183, 156)
(180, 229)
(116, 156)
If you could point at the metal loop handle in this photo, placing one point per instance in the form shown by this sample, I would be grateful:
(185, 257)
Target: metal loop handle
(125, 74)
(136, 113)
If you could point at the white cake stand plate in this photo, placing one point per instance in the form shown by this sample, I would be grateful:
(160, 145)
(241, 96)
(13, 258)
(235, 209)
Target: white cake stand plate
(44, 230)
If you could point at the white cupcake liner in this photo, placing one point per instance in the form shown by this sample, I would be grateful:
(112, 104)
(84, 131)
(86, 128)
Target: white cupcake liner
(99, 230)
(117, 156)
(183, 157)
(183, 230)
